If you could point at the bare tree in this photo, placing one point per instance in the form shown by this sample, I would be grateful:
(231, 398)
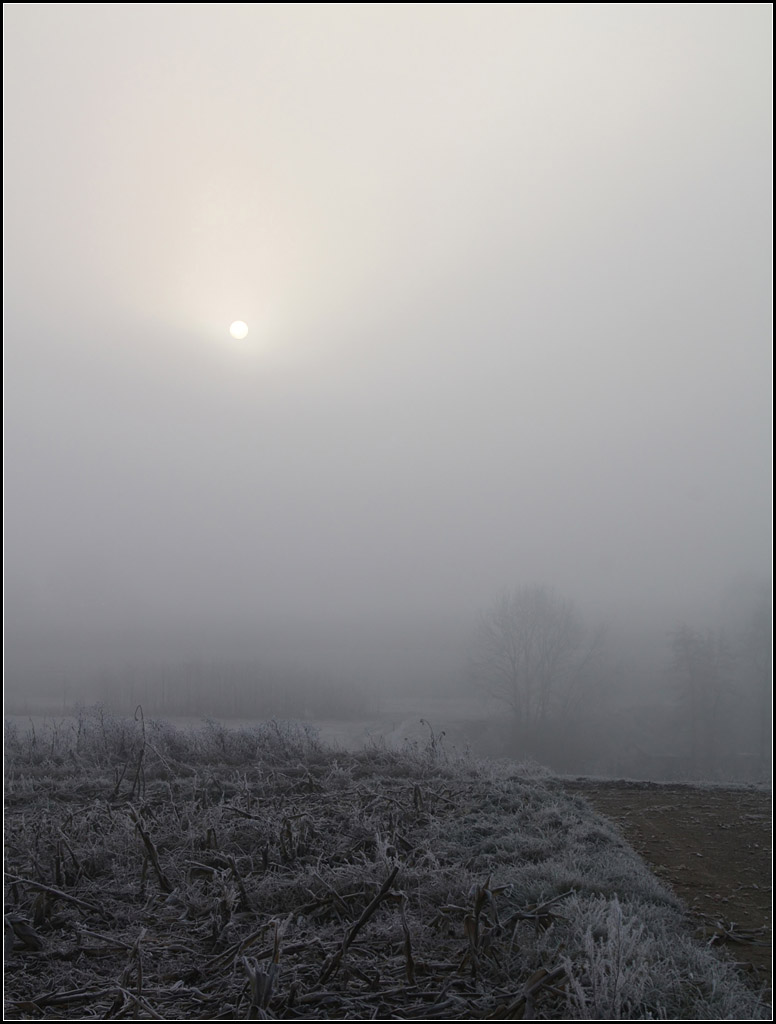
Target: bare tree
(754, 650)
(532, 653)
(702, 662)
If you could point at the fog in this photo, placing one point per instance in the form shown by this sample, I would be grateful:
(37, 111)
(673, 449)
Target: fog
(506, 270)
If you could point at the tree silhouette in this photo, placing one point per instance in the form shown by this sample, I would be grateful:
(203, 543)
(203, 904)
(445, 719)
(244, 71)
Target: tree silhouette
(532, 653)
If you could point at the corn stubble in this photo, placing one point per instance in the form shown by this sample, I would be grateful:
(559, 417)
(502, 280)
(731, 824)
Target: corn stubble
(155, 874)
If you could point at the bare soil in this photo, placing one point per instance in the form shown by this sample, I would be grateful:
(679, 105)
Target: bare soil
(713, 846)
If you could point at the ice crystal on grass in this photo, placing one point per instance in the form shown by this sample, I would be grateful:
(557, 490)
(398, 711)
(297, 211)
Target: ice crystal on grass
(256, 873)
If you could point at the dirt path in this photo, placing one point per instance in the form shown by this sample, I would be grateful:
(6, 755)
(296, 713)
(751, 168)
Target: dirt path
(712, 845)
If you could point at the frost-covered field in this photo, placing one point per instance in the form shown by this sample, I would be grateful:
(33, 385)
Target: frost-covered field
(156, 873)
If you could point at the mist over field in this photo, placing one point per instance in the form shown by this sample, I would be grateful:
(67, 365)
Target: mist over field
(496, 448)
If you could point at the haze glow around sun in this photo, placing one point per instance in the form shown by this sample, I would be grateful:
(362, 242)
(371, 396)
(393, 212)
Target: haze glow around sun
(239, 330)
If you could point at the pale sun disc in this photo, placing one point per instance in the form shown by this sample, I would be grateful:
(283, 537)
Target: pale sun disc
(239, 329)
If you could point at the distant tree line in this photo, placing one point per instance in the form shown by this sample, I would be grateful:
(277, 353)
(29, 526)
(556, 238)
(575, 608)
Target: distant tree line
(702, 708)
(222, 690)
(723, 684)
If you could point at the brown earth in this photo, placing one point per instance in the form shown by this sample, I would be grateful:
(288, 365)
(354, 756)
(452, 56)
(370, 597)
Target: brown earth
(712, 845)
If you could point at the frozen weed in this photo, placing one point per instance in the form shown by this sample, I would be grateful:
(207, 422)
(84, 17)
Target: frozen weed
(254, 872)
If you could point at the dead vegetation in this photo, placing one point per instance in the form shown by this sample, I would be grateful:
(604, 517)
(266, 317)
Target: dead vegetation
(158, 875)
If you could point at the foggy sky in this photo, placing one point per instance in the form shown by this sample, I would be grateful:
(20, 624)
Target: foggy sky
(506, 270)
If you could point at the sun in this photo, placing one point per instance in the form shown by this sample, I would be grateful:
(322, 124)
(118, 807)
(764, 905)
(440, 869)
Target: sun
(239, 330)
